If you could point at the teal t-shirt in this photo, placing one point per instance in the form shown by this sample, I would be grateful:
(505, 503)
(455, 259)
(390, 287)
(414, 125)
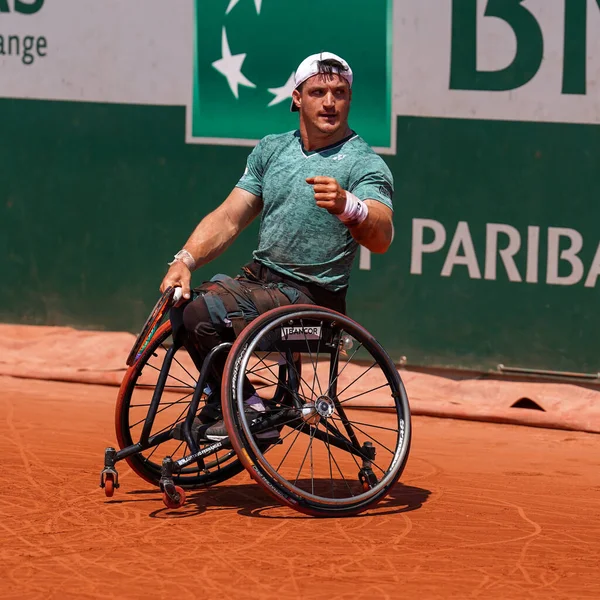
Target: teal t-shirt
(297, 238)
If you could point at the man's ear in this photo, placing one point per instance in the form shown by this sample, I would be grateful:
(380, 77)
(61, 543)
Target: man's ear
(297, 98)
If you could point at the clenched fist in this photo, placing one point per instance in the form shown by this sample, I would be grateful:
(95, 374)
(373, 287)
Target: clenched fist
(328, 194)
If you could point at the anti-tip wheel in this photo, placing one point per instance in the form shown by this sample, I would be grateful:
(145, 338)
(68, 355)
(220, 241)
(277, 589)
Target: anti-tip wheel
(172, 502)
(109, 485)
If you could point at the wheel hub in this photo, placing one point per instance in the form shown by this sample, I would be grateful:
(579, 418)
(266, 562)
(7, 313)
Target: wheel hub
(324, 406)
(321, 408)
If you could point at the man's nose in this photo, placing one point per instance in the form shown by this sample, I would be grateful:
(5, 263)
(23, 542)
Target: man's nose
(329, 100)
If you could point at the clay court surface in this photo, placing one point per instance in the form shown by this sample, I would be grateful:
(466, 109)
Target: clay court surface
(483, 511)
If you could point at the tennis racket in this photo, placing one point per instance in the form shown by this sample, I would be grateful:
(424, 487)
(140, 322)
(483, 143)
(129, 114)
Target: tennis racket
(170, 297)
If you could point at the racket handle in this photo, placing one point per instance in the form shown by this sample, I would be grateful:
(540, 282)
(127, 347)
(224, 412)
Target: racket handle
(177, 294)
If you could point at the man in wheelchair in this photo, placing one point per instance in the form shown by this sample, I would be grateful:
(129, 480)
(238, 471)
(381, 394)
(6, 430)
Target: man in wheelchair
(322, 192)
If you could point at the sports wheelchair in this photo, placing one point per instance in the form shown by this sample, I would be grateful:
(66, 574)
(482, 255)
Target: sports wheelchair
(330, 391)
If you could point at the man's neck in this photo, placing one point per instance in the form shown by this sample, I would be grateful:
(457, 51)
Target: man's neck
(314, 140)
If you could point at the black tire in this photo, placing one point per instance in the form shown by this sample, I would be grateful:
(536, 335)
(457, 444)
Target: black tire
(339, 434)
(132, 407)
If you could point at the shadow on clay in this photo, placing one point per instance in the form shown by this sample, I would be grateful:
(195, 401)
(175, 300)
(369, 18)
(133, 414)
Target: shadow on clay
(250, 500)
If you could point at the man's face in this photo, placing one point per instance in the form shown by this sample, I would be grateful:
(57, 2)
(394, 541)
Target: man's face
(324, 102)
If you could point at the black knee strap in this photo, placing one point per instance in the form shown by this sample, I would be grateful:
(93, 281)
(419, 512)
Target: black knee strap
(222, 306)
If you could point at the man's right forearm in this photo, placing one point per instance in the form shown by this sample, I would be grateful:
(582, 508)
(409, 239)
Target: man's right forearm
(212, 236)
(217, 231)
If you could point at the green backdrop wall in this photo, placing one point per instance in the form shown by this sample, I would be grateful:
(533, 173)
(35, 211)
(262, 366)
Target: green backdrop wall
(96, 198)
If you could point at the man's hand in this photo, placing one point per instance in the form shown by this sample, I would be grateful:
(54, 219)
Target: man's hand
(328, 194)
(178, 276)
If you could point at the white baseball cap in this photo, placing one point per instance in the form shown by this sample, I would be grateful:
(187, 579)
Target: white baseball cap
(310, 66)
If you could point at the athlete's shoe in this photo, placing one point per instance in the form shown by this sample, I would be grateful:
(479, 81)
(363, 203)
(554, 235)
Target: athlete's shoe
(218, 432)
(197, 426)
(209, 414)
(211, 411)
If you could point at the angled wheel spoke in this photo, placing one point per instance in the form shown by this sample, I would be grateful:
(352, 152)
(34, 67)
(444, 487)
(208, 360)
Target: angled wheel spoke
(147, 458)
(172, 425)
(255, 371)
(354, 423)
(361, 375)
(165, 404)
(291, 445)
(378, 442)
(168, 387)
(312, 466)
(334, 426)
(335, 462)
(264, 387)
(267, 381)
(282, 424)
(169, 375)
(337, 363)
(187, 372)
(343, 368)
(301, 381)
(276, 377)
(174, 454)
(305, 455)
(330, 465)
(363, 393)
(337, 434)
(314, 362)
(163, 409)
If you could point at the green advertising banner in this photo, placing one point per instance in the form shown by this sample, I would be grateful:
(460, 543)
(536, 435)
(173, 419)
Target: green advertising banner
(246, 92)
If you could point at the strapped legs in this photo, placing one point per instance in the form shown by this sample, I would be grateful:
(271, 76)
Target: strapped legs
(220, 310)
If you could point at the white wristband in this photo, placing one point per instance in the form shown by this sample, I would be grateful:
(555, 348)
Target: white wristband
(186, 258)
(356, 211)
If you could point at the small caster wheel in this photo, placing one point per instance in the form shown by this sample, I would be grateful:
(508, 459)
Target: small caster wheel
(368, 479)
(109, 485)
(176, 499)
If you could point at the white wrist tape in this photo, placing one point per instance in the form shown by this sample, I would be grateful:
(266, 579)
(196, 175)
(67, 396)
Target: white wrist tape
(356, 211)
(186, 258)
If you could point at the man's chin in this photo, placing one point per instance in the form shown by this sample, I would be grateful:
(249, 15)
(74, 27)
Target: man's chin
(328, 128)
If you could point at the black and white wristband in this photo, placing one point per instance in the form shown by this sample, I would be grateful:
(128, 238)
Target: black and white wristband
(355, 212)
(186, 258)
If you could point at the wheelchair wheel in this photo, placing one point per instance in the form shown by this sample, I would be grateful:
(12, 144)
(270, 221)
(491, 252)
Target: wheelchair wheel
(133, 404)
(337, 440)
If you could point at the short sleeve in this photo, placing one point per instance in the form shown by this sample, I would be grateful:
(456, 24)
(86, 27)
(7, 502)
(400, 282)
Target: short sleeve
(252, 179)
(373, 180)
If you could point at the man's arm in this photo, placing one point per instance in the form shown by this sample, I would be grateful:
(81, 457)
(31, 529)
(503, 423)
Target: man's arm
(375, 233)
(213, 235)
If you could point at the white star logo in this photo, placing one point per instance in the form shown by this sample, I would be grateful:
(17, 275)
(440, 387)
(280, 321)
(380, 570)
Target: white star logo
(284, 92)
(233, 3)
(230, 65)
